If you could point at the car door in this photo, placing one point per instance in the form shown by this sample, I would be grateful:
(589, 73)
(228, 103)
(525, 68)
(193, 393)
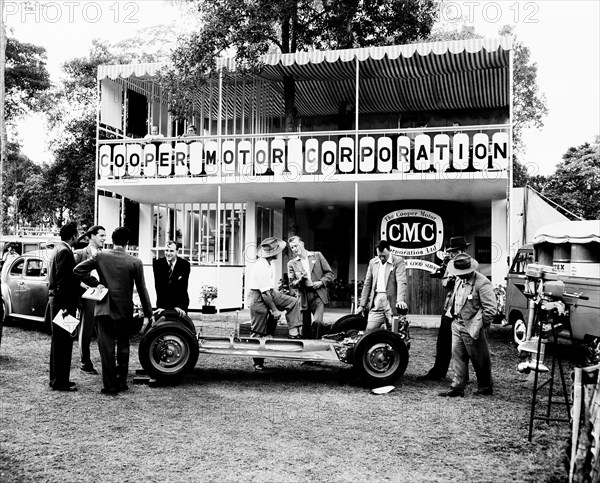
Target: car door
(35, 288)
(14, 282)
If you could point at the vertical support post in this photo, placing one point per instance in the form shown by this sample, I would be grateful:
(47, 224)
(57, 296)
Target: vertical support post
(355, 245)
(289, 226)
(356, 106)
(218, 247)
(98, 101)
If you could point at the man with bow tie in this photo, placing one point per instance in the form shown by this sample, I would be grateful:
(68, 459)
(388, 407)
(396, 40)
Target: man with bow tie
(472, 307)
(171, 276)
(384, 291)
(308, 275)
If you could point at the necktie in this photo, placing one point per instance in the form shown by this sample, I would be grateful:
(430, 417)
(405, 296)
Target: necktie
(170, 270)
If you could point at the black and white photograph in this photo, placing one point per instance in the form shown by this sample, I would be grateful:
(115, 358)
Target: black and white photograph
(284, 240)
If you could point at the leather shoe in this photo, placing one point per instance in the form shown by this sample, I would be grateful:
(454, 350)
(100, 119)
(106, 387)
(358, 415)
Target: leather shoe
(484, 392)
(68, 388)
(453, 392)
(89, 370)
(71, 383)
(430, 377)
(109, 392)
(123, 388)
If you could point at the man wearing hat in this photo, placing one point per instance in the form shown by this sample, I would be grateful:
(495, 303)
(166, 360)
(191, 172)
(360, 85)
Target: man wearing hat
(443, 345)
(472, 308)
(263, 299)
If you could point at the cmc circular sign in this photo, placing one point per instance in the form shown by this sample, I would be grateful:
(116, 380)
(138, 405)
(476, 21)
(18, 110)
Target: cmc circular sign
(413, 233)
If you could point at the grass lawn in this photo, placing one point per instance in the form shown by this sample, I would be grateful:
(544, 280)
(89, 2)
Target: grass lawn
(226, 422)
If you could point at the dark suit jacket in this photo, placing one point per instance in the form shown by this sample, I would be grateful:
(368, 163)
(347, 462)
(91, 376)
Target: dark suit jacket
(319, 270)
(118, 272)
(63, 285)
(396, 282)
(171, 291)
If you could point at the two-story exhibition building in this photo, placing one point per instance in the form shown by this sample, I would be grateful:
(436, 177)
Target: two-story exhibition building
(411, 143)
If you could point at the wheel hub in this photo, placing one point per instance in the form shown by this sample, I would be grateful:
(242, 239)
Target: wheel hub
(380, 358)
(169, 352)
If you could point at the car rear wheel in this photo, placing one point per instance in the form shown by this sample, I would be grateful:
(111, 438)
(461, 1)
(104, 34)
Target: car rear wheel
(380, 357)
(168, 351)
(350, 325)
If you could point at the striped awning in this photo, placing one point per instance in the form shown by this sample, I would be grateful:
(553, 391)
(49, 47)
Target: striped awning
(463, 74)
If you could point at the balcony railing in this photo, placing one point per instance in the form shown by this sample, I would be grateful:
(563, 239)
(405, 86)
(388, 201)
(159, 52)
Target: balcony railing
(289, 156)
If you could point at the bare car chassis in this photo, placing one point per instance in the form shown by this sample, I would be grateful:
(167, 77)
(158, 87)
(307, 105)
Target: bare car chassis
(170, 348)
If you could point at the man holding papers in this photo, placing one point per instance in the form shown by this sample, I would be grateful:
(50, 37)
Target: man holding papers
(96, 235)
(118, 271)
(63, 296)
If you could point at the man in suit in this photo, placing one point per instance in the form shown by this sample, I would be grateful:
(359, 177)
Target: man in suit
(171, 275)
(63, 295)
(96, 236)
(308, 274)
(384, 290)
(443, 346)
(118, 271)
(472, 307)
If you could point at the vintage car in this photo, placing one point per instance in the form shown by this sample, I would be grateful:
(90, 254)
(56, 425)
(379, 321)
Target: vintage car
(25, 286)
(170, 348)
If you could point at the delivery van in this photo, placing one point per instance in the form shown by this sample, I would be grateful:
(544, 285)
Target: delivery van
(571, 251)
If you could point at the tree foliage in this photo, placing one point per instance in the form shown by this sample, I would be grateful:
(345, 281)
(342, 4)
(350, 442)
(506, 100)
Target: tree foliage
(72, 118)
(250, 28)
(26, 77)
(576, 183)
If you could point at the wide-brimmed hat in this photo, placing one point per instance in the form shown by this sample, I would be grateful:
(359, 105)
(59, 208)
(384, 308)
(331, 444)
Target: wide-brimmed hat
(270, 247)
(463, 264)
(457, 243)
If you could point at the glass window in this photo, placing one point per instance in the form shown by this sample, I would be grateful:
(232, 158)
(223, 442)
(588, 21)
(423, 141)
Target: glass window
(194, 227)
(17, 269)
(36, 268)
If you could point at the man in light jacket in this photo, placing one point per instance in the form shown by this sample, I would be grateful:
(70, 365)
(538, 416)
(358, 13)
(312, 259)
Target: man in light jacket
(384, 291)
(472, 308)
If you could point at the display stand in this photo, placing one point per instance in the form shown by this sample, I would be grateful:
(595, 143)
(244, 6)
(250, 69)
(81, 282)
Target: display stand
(556, 361)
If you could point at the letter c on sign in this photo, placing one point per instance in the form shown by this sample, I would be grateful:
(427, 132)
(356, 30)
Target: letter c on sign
(424, 236)
(392, 236)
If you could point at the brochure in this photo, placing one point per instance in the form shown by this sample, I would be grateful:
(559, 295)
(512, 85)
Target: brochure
(67, 322)
(95, 293)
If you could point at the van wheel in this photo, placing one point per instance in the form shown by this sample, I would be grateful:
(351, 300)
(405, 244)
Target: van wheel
(519, 331)
(168, 351)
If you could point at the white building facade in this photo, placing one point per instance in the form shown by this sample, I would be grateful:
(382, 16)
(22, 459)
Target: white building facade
(408, 143)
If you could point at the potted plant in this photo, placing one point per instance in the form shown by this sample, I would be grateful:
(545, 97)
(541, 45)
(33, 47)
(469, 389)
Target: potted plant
(208, 293)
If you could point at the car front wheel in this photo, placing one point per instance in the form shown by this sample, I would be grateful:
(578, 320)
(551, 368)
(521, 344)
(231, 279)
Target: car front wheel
(168, 351)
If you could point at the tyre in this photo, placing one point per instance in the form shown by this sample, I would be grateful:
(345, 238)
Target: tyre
(519, 331)
(349, 324)
(380, 357)
(168, 351)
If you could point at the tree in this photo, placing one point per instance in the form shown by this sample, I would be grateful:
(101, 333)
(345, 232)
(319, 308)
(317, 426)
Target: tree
(72, 117)
(26, 77)
(529, 104)
(25, 82)
(249, 29)
(576, 182)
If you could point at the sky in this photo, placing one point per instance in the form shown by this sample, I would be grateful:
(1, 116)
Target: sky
(563, 36)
